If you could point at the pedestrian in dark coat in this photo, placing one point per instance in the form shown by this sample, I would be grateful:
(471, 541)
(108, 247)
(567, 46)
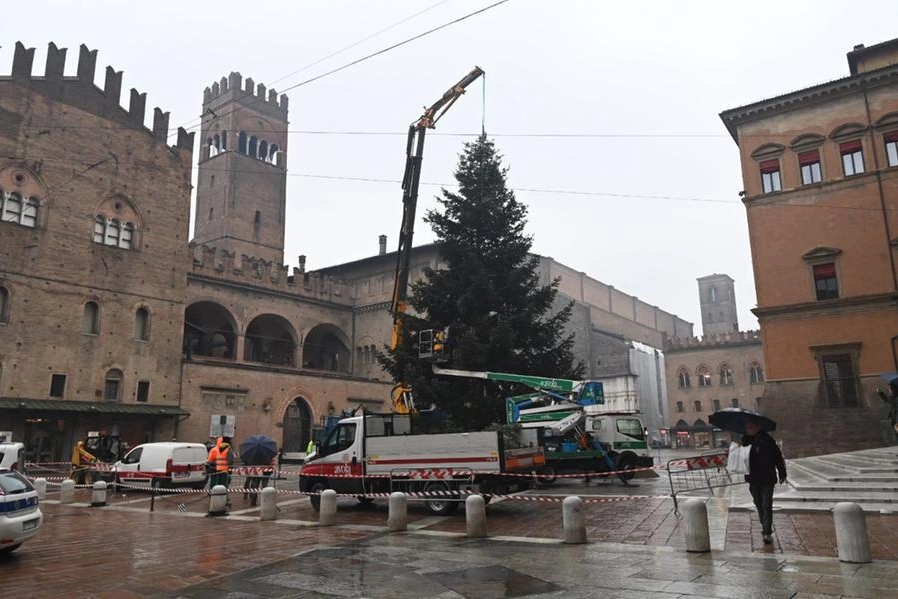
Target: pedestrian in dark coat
(766, 466)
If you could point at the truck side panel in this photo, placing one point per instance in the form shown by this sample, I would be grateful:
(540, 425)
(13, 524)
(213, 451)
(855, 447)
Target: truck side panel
(473, 451)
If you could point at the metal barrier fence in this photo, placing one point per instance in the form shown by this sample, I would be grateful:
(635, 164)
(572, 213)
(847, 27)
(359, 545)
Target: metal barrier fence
(699, 473)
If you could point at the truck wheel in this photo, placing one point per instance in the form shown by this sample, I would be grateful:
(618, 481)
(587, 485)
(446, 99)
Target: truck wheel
(626, 462)
(546, 475)
(437, 506)
(317, 488)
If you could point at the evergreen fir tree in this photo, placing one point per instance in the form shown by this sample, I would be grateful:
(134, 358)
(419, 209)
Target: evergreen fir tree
(487, 292)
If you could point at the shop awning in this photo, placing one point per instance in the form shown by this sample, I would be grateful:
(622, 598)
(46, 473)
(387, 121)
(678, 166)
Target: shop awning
(91, 407)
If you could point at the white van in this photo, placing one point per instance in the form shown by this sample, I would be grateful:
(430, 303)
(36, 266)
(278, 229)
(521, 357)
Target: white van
(171, 463)
(12, 456)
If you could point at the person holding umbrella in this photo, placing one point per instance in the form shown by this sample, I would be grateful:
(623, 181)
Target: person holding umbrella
(766, 465)
(258, 450)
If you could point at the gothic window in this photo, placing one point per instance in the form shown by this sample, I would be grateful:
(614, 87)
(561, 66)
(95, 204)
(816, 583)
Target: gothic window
(241, 142)
(703, 374)
(755, 373)
(263, 150)
(726, 375)
(683, 378)
(273, 152)
(252, 150)
(90, 320)
(18, 211)
(114, 224)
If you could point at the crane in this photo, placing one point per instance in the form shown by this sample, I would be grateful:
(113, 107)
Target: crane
(414, 152)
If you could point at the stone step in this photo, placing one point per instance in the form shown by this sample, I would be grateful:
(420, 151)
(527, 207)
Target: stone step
(838, 497)
(809, 506)
(845, 489)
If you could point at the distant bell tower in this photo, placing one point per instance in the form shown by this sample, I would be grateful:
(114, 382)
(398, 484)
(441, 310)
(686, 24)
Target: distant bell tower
(717, 296)
(242, 174)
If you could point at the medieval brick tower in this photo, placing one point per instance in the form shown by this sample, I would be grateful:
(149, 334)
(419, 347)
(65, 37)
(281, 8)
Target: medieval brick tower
(242, 180)
(717, 296)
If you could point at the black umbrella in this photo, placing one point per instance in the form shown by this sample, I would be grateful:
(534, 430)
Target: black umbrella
(733, 419)
(890, 377)
(258, 450)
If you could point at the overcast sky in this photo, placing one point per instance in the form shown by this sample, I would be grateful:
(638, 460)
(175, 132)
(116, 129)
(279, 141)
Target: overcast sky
(605, 112)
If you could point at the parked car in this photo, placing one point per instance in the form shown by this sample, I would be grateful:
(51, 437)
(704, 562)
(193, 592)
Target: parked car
(12, 456)
(170, 463)
(20, 515)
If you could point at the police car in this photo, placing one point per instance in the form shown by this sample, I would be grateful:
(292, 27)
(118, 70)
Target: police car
(20, 515)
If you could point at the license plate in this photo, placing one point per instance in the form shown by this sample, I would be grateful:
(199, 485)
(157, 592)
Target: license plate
(30, 524)
(177, 475)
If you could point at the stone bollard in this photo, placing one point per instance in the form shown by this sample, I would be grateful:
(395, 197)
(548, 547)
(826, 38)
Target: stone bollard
(40, 485)
(397, 520)
(574, 520)
(67, 491)
(475, 516)
(218, 501)
(268, 503)
(98, 495)
(327, 513)
(695, 526)
(851, 533)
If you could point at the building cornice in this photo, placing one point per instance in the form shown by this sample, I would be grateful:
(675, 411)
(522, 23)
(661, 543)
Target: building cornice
(824, 92)
(828, 307)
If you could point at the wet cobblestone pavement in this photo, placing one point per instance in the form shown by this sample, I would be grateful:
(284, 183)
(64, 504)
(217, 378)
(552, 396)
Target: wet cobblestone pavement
(636, 549)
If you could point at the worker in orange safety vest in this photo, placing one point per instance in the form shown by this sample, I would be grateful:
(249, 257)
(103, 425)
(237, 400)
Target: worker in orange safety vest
(220, 461)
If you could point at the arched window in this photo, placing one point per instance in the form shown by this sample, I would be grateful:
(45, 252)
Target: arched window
(112, 233)
(703, 374)
(726, 375)
(241, 142)
(90, 321)
(253, 147)
(224, 141)
(142, 324)
(216, 145)
(4, 305)
(680, 407)
(12, 208)
(124, 241)
(29, 213)
(716, 403)
(99, 228)
(263, 150)
(112, 389)
(712, 295)
(756, 374)
(273, 154)
(683, 378)
(366, 355)
(210, 147)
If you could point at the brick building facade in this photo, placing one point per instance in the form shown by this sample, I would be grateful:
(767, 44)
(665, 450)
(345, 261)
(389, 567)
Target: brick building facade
(820, 174)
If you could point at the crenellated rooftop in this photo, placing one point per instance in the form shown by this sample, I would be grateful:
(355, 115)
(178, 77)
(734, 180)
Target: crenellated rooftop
(216, 263)
(80, 91)
(709, 341)
(234, 84)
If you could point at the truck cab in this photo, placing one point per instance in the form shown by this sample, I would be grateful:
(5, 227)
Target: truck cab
(624, 433)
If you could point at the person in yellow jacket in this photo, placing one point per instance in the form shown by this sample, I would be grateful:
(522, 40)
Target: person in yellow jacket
(81, 461)
(220, 461)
